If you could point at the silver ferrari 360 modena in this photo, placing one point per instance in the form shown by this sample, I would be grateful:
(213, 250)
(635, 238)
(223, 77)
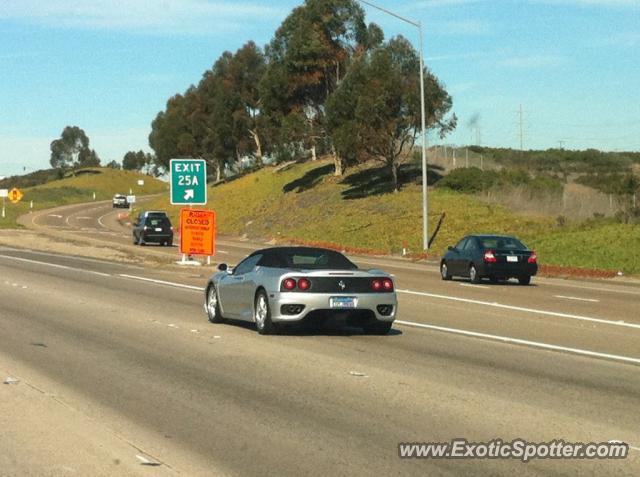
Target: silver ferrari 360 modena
(289, 284)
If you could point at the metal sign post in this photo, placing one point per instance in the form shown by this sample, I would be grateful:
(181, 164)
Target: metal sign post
(4, 193)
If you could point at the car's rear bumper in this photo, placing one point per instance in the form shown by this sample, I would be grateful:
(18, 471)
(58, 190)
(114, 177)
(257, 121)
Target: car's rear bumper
(503, 270)
(157, 237)
(380, 306)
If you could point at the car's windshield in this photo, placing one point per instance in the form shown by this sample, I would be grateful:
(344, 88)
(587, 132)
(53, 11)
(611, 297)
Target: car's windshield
(317, 260)
(502, 243)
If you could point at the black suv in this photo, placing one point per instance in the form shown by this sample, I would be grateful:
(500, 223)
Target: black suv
(152, 227)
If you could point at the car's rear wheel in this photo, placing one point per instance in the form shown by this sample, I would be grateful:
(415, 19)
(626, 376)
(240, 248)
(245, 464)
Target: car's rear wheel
(262, 314)
(213, 305)
(444, 271)
(378, 328)
(473, 274)
(524, 280)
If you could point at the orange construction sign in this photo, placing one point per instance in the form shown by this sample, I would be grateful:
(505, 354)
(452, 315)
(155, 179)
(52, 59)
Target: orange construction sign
(197, 232)
(15, 195)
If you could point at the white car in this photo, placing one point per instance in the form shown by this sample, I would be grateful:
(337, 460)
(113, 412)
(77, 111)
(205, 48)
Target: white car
(281, 285)
(120, 200)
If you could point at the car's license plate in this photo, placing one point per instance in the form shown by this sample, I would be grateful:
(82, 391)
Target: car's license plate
(512, 258)
(343, 302)
(158, 229)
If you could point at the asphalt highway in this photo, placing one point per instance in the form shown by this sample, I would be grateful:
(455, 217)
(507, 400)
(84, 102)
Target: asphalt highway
(122, 356)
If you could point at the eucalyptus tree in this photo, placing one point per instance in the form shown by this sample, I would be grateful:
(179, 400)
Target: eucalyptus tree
(306, 60)
(375, 111)
(72, 150)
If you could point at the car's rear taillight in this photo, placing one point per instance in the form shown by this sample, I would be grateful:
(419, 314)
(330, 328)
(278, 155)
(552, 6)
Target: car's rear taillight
(288, 284)
(382, 285)
(304, 284)
(533, 258)
(489, 257)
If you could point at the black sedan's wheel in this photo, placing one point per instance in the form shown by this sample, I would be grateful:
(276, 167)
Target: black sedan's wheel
(378, 328)
(262, 314)
(213, 306)
(525, 280)
(473, 274)
(444, 271)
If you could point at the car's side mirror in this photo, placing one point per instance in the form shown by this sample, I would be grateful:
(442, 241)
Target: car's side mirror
(451, 248)
(223, 267)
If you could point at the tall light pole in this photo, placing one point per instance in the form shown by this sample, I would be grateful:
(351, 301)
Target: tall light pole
(425, 208)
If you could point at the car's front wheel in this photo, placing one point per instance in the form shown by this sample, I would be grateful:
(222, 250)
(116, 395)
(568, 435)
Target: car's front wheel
(444, 271)
(262, 314)
(213, 306)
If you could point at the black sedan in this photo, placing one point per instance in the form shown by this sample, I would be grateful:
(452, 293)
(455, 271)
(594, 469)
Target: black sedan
(497, 257)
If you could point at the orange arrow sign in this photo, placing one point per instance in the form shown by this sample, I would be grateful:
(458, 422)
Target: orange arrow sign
(15, 195)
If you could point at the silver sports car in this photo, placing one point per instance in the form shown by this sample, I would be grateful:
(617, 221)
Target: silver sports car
(289, 284)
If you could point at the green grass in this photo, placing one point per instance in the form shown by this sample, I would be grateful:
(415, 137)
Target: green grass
(315, 210)
(306, 202)
(80, 189)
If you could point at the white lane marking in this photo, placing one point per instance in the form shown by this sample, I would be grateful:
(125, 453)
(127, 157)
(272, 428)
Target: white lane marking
(620, 289)
(526, 310)
(162, 282)
(102, 217)
(470, 285)
(55, 215)
(591, 300)
(535, 344)
(54, 265)
(84, 218)
(222, 252)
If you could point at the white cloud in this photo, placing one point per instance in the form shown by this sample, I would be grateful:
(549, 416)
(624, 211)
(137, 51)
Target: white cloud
(148, 16)
(533, 61)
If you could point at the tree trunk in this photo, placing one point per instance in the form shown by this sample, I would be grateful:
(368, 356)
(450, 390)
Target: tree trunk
(218, 172)
(337, 163)
(313, 153)
(394, 175)
(339, 170)
(256, 139)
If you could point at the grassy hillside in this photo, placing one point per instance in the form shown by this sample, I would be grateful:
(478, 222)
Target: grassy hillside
(305, 202)
(104, 182)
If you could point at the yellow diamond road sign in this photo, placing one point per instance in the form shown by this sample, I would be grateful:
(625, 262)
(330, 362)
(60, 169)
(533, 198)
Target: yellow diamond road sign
(15, 195)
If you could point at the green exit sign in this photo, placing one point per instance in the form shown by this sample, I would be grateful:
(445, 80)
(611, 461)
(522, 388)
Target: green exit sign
(188, 181)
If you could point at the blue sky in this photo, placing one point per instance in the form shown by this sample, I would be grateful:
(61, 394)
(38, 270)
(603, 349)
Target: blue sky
(109, 66)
